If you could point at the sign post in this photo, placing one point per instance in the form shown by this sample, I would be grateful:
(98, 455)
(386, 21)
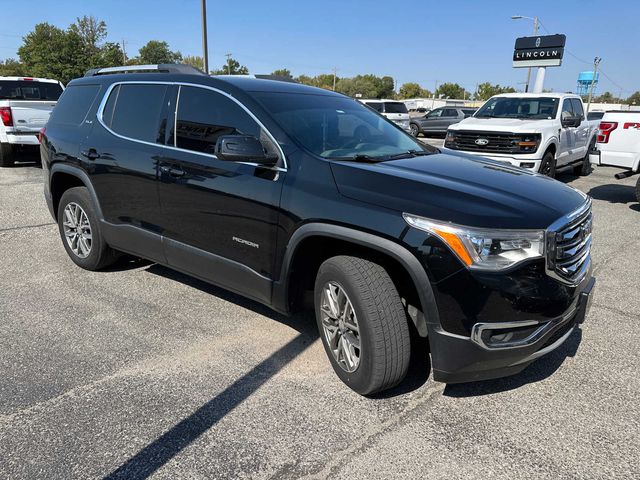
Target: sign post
(544, 51)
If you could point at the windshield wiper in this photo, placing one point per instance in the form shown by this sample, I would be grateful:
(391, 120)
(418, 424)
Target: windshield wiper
(408, 154)
(360, 157)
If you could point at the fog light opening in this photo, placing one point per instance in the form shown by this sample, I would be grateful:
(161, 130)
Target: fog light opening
(527, 164)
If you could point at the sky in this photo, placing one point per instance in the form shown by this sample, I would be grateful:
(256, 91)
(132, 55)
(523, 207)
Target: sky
(422, 41)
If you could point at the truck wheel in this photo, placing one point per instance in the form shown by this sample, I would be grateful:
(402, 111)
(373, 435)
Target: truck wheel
(7, 155)
(80, 231)
(548, 165)
(362, 323)
(584, 168)
(638, 190)
(415, 131)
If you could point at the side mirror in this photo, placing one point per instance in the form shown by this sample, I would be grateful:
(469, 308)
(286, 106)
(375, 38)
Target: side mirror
(243, 148)
(568, 121)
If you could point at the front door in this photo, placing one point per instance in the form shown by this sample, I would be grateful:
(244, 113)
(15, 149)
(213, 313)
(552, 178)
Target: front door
(567, 152)
(220, 217)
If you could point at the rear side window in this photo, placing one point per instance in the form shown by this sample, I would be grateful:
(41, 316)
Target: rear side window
(135, 111)
(204, 115)
(29, 90)
(450, 112)
(377, 106)
(577, 107)
(395, 107)
(74, 104)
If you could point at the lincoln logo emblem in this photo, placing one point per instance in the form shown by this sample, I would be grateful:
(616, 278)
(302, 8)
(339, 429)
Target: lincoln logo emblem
(481, 141)
(537, 42)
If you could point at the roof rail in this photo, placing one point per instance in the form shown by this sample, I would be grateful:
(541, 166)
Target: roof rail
(160, 68)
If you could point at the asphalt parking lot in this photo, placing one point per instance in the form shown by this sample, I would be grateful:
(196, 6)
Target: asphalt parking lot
(139, 371)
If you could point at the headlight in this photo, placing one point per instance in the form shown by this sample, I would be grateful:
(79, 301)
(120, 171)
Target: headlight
(484, 249)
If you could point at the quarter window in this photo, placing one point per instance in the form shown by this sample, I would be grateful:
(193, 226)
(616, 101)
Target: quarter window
(135, 111)
(203, 116)
(73, 106)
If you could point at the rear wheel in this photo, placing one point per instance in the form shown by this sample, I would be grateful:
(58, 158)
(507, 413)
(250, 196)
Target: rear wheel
(362, 323)
(548, 165)
(415, 131)
(584, 168)
(80, 231)
(7, 155)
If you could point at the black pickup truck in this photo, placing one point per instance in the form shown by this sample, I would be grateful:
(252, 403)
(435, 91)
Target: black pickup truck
(299, 197)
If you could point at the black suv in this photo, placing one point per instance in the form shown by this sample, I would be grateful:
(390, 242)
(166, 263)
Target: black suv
(293, 195)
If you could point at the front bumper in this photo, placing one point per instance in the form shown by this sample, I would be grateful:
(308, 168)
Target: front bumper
(522, 161)
(470, 359)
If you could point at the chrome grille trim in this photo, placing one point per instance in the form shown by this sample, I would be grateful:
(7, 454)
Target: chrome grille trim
(569, 245)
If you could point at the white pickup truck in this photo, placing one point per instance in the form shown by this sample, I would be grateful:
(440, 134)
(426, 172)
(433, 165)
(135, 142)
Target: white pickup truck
(25, 106)
(618, 144)
(543, 132)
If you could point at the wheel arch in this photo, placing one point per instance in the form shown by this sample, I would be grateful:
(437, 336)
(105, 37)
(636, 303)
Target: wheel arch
(552, 147)
(313, 243)
(62, 178)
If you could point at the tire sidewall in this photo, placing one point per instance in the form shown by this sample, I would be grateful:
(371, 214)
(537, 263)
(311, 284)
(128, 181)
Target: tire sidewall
(415, 131)
(80, 195)
(359, 379)
(548, 158)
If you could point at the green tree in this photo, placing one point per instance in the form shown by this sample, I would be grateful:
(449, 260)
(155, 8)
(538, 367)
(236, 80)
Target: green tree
(486, 90)
(156, 51)
(232, 67)
(51, 52)
(451, 90)
(634, 99)
(413, 90)
(12, 68)
(194, 60)
(282, 72)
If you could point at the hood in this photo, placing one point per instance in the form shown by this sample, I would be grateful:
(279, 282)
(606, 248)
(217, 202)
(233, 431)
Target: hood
(459, 188)
(503, 125)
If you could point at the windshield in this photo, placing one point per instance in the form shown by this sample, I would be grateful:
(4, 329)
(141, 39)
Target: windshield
(395, 107)
(29, 90)
(514, 107)
(337, 127)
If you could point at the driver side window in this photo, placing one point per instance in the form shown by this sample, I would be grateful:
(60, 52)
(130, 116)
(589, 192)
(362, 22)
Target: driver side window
(435, 114)
(567, 109)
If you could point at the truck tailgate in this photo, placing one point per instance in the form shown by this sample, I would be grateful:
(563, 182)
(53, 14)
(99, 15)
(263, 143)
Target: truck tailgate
(30, 116)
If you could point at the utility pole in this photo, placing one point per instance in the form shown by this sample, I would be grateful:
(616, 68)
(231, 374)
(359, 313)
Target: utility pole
(124, 53)
(535, 33)
(205, 48)
(433, 102)
(228, 55)
(596, 62)
(335, 72)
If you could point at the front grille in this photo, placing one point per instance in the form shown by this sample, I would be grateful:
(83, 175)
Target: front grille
(570, 246)
(496, 142)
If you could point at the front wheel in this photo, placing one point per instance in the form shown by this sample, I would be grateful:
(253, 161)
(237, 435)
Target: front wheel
(548, 165)
(362, 324)
(638, 190)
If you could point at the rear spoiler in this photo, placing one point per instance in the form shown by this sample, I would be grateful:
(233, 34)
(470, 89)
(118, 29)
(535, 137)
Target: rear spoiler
(160, 68)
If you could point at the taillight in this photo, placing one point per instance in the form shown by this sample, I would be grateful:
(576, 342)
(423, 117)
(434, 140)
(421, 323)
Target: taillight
(43, 130)
(605, 130)
(6, 116)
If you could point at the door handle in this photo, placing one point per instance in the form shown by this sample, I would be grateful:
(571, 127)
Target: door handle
(91, 154)
(174, 172)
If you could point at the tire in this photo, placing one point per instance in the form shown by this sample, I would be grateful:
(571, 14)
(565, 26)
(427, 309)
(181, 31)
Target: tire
(99, 254)
(584, 168)
(548, 165)
(638, 190)
(379, 317)
(7, 155)
(415, 130)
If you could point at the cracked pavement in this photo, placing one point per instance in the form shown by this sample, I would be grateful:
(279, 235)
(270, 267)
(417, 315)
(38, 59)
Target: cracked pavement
(139, 371)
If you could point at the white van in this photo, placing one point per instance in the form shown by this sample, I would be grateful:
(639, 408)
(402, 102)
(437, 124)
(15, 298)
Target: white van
(392, 109)
(25, 106)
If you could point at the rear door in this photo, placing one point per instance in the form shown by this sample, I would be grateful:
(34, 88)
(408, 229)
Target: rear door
(31, 102)
(452, 116)
(567, 152)
(219, 217)
(121, 156)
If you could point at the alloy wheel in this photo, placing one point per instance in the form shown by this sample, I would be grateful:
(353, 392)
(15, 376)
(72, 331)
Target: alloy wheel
(340, 326)
(77, 230)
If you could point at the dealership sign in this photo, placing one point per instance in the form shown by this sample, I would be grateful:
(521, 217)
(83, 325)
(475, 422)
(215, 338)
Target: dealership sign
(545, 51)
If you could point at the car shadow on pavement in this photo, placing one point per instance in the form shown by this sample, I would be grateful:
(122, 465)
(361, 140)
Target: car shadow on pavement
(536, 372)
(614, 193)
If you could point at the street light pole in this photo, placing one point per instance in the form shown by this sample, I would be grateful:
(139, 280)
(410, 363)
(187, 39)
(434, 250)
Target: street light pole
(205, 51)
(536, 23)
